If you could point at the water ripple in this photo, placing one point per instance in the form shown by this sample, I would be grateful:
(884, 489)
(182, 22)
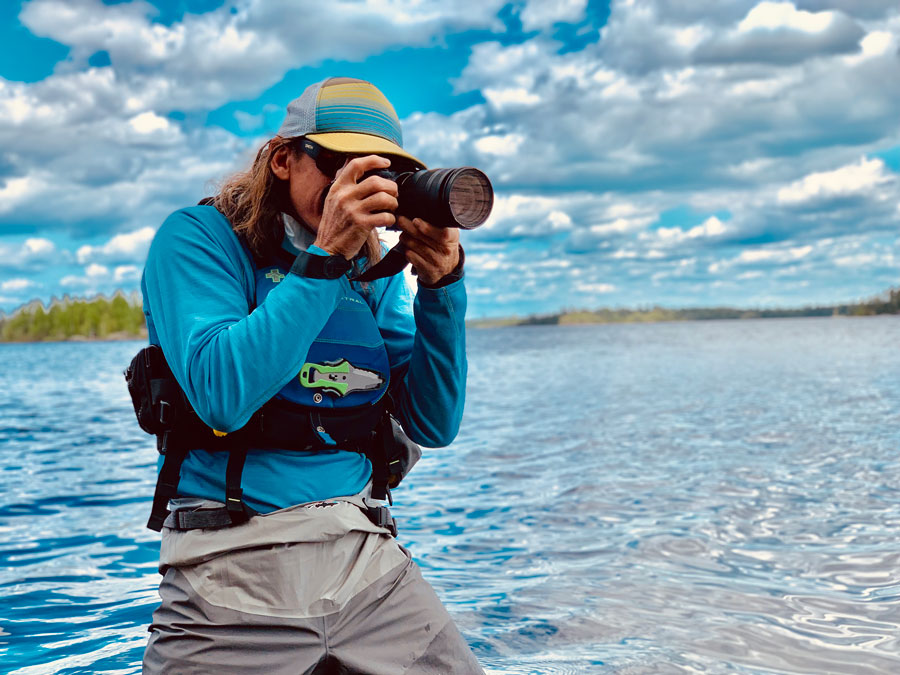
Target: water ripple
(680, 498)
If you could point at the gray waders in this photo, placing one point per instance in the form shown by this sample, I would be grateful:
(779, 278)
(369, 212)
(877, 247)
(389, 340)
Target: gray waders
(314, 588)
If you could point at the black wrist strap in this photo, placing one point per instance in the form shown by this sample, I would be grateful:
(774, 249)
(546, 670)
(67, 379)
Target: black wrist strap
(319, 266)
(394, 262)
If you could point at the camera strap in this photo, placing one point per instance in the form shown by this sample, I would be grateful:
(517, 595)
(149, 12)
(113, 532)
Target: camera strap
(393, 262)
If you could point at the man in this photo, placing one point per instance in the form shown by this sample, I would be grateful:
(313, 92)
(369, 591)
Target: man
(275, 557)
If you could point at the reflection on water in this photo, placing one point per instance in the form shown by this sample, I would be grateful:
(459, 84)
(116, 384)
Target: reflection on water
(707, 497)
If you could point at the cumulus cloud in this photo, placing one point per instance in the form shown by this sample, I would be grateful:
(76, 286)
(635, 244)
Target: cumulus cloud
(777, 32)
(132, 246)
(538, 14)
(711, 227)
(93, 276)
(594, 288)
(109, 148)
(17, 285)
(865, 178)
(34, 253)
(770, 110)
(237, 51)
(124, 273)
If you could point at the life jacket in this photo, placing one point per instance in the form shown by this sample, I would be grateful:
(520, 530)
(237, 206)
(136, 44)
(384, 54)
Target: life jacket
(341, 398)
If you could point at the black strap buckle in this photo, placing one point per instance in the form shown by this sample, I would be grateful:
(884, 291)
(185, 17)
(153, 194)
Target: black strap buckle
(166, 414)
(234, 495)
(381, 516)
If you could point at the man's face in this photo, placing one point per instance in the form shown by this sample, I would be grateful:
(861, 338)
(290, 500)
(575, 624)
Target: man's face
(307, 186)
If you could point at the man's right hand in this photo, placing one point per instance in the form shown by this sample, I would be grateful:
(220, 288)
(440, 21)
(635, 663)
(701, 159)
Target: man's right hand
(353, 209)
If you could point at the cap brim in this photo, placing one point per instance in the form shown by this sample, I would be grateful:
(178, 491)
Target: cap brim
(361, 144)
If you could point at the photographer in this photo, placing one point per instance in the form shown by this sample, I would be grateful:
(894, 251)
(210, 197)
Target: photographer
(307, 385)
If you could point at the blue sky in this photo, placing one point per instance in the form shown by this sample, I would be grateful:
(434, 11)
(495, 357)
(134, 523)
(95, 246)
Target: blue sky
(643, 152)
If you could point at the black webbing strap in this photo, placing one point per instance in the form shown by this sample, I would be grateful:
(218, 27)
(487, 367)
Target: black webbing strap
(378, 454)
(393, 262)
(193, 519)
(186, 519)
(276, 425)
(234, 495)
(381, 516)
(166, 482)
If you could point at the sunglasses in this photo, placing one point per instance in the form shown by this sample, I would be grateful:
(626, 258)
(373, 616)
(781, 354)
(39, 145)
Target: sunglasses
(327, 161)
(330, 162)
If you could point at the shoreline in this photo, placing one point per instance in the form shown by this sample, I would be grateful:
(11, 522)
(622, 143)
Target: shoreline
(112, 337)
(580, 320)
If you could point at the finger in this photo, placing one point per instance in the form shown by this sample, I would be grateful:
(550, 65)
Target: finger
(379, 219)
(376, 218)
(356, 167)
(417, 257)
(424, 249)
(404, 224)
(374, 184)
(444, 234)
(427, 270)
(380, 201)
(439, 236)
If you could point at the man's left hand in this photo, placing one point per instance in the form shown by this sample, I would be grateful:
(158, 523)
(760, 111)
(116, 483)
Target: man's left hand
(433, 251)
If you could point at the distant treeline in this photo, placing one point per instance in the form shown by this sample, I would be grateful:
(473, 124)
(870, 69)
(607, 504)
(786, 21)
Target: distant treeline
(96, 319)
(120, 318)
(888, 303)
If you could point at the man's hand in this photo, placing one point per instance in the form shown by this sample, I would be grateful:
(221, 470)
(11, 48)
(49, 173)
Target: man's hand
(433, 251)
(353, 209)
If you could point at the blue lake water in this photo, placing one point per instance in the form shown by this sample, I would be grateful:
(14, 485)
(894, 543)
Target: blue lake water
(717, 497)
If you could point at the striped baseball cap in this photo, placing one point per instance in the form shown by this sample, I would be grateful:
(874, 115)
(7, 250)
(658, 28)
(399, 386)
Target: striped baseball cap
(344, 114)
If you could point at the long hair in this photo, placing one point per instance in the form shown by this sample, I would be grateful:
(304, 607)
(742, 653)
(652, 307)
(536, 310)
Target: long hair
(253, 201)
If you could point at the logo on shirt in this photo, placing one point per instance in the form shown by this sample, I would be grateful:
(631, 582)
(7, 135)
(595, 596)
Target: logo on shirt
(274, 275)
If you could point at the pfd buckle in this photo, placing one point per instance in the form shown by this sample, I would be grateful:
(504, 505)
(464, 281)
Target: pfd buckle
(381, 516)
(166, 414)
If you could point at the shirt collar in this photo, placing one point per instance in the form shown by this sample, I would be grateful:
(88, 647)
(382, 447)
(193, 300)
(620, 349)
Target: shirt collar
(297, 237)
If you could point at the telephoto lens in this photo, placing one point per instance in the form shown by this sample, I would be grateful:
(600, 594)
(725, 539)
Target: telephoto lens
(460, 197)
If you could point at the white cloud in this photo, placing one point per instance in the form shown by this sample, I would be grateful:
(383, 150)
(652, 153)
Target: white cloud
(775, 15)
(877, 43)
(126, 273)
(500, 145)
(94, 271)
(595, 288)
(862, 178)
(526, 215)
(502, 98)
(148, 122)
(17, 285)
(711, 227)
(774, 255)
(203, 60)
(539, 14)
(33, 253)
(108, 152)
(129, 246)
(94, 276)
(16, 191)
(745, 107)
(777, 32)
(858, 260)
(485, 262)
(35, 247)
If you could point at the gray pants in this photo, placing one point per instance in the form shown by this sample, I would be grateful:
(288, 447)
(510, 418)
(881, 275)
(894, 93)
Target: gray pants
(354, 604)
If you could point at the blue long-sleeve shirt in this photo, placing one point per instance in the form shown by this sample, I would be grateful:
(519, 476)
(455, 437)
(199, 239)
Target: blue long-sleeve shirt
(199, 287)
